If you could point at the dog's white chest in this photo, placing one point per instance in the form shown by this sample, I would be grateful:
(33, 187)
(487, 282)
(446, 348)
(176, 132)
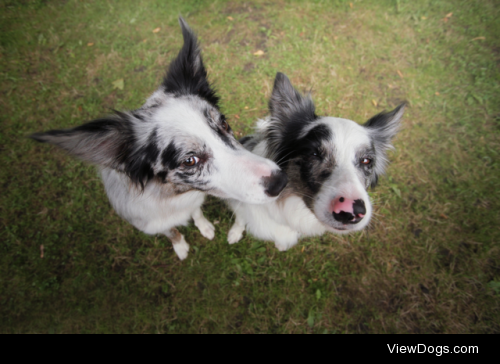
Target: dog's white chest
(283, 222)
(148, 211)
(299, 217)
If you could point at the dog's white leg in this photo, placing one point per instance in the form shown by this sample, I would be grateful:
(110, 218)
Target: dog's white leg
(206, 228)
(181, 248)
(236, 232)
(285, 238)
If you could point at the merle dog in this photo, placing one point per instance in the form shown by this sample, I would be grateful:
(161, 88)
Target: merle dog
(158, 162)
(330, 163)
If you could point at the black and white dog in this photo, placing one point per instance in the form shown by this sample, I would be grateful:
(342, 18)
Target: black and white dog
(330, 162)
(158, 162)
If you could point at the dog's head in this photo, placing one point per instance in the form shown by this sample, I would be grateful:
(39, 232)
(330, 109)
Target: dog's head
(330, 161)
(178, 137)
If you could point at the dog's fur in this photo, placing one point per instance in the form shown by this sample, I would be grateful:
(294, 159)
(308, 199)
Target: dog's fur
(158, 162)
(330, 162)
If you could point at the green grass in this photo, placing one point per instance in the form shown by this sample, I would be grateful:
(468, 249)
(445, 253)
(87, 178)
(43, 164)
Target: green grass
(430, 260)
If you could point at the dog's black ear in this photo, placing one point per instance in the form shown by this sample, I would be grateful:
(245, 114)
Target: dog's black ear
(291, 112)
(287, 105)
(186, 74)
(383, 128)
(107, 142)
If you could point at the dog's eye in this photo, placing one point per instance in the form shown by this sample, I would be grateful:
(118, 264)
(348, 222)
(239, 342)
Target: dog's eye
(224, 125)
(191, 161)
(366, 161)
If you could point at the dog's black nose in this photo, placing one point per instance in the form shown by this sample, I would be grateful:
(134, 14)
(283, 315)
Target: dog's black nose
(359, 208)
(275, 183)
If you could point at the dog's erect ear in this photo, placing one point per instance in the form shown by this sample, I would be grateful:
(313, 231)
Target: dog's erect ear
(290, 113)
(287, 105)
(186, 74)
(105, 142)
(383, 128)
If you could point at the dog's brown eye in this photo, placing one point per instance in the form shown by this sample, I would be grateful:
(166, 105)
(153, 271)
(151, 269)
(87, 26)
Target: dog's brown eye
(366, 161)
(225, 125)
(191, 161)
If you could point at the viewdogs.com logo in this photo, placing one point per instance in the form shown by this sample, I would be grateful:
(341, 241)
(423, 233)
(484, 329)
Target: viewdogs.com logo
(427, 349)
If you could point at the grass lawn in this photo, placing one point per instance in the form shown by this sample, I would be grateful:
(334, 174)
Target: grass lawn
(429, 261)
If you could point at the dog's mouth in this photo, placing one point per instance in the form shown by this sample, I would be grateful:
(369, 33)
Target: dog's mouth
(340, 229)
(335, 226)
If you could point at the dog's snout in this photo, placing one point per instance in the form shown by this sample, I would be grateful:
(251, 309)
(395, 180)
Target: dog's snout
(275, 183)
(348, 211)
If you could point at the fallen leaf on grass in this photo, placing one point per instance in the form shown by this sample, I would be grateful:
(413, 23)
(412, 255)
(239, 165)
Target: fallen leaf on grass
(479, 38)
(230, 18)
(119, 84)
(303, 248)
(375, 103)
(447, 17)
(43, 212)
(399, 73)
(90, 44)
(444, 216)
(237, 116)
(156, 30)
(350, 4)
(246, 107)
(437, 94)
(259, 53)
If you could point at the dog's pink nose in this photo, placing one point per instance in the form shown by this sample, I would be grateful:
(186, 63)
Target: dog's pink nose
(348, 211)
(342, 204)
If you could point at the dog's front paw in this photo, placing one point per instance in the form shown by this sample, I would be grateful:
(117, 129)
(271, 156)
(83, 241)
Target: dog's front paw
(181, 249)
(235, 234)
(207, 229)
(286, 239)
(282, 247)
